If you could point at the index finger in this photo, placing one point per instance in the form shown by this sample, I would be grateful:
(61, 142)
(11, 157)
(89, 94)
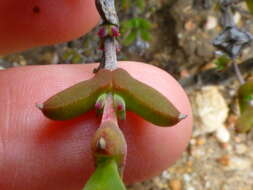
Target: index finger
(39, 154)
(25, 24)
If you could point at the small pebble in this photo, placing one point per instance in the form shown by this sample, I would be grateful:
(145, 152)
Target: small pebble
(237, 17)
(208, 184)
(158, 182)
(210, 110)
(224, 160)
(231, 120)
(23, 62)
(197, 152)
(239, 163)
(190, 25)
(240, 148)
(211, 23)
(238, 139)
(166, 175)
(189, 188)
(184, 73)
(201, 141)
(187, 178)
(228, 147)
(175, 184)
(223, 135)
(193, 141)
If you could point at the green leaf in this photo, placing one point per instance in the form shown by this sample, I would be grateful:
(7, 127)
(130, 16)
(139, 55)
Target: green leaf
(245, 95)
(136, 22)
(125, 27)
(77, 99)
(145, 24)
(144, 100)
(125, 4)
(145, 35)
(250, 5)
(68, 54)
(222, 62)
(127, 24)
(76, 58)
(140, 4)
(105, 177)
(245, 121)
(131, 37)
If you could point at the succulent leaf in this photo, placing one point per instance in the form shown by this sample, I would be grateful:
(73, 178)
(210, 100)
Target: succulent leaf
(105, 177)
(77, 99)
(144, 100)
(250, 5)
(245, 95)
(245, 121)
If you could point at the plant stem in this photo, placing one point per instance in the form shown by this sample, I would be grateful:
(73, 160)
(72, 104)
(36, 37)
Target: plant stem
(230, 2)
(238, 72)
(107, 11)
(109, 111)
(110, 53)
(117, 142)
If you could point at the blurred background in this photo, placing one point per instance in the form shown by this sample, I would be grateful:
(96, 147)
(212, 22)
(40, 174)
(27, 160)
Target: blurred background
(177, 35)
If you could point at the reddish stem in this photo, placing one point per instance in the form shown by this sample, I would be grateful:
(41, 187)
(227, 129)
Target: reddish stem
(109, 112)
(107, 144)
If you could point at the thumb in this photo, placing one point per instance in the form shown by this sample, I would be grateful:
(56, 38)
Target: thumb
(37, 153)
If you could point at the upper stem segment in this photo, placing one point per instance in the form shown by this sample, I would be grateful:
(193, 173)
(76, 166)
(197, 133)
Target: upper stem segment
(107, 11)
(110, 53)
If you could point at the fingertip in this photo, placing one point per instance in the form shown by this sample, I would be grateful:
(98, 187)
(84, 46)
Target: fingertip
(26, 24)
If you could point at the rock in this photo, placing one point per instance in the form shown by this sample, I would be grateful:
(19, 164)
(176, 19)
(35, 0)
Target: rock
(224, 160)
(237, 17)
(197, 152)
(200, 141)
(239, 163)
(159, 183)
(175, 184)
(190, 25)
(166, 174)
(241, 148)
(210, 110)
(187, 178)
(211, 23)
(189, 187)
(2, 68)
(223, 135)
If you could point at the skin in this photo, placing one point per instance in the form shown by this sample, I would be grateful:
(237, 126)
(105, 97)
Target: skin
(30, 23)
(38, 154)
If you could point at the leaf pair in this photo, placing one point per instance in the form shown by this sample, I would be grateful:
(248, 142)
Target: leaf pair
(245, 95)
(139, 98)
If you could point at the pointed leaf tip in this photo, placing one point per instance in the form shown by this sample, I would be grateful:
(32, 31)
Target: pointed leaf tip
(182, 116)
(40, 106)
